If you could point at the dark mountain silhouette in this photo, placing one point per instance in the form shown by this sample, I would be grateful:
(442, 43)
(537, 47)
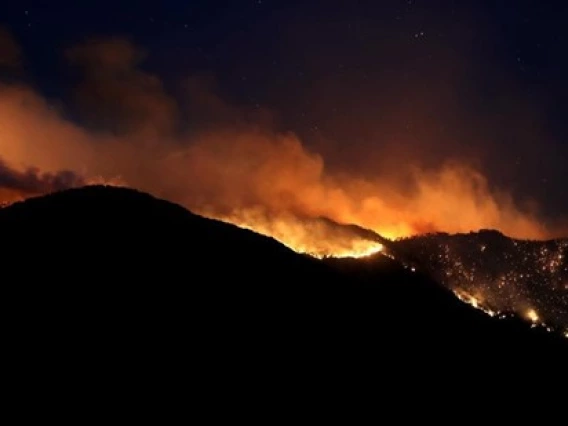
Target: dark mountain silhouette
(106, 282)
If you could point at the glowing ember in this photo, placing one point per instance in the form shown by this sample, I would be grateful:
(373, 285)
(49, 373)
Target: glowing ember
(532, 315)
(473, 301)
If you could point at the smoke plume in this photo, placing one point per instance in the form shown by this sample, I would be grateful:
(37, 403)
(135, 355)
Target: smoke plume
(229, 164)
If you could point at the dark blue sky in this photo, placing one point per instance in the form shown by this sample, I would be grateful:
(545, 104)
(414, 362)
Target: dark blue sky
(483, 80)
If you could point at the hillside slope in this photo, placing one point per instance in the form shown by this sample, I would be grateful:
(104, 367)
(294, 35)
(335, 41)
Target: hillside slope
(529, 278)
(121, 276)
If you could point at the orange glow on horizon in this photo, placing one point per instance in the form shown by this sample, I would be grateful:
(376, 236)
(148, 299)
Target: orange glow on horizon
(240, 170)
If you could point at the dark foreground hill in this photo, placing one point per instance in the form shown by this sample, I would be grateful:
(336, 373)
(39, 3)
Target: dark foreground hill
(107, 284)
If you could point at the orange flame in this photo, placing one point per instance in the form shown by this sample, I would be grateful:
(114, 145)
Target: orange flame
(532, 315)
(476, 302)
(317, 238)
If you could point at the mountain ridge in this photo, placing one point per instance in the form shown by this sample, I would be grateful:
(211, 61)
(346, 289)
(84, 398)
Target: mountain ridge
(101, 269)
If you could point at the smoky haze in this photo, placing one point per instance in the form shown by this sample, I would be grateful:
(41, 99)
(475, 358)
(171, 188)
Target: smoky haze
(231, 162)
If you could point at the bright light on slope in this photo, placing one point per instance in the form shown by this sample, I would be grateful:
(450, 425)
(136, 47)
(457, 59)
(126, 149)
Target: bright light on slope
(474, 301)
(314, 238)
(533, 316)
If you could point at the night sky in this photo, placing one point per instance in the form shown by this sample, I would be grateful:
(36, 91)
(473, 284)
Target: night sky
(369, 85)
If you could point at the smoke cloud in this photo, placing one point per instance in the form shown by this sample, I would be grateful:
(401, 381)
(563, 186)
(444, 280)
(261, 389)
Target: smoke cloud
(229, 164)
(115, 94)
(34, 182)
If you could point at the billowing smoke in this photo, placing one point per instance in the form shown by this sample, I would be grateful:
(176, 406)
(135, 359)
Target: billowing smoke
(229, 164)
(260, 175)
(16, 184)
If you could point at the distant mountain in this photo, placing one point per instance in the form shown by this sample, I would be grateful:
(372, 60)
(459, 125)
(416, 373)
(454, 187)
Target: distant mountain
(125, 283)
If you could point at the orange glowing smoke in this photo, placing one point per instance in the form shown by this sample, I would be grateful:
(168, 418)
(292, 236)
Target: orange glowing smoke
(238, 170)
(271, 182)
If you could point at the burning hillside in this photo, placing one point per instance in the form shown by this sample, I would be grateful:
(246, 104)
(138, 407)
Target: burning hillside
(499, 274)
(315, 236)
(238, 165)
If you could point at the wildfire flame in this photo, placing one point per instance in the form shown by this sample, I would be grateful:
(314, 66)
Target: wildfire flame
(317, 238)
(474, 301)
(532, 315)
